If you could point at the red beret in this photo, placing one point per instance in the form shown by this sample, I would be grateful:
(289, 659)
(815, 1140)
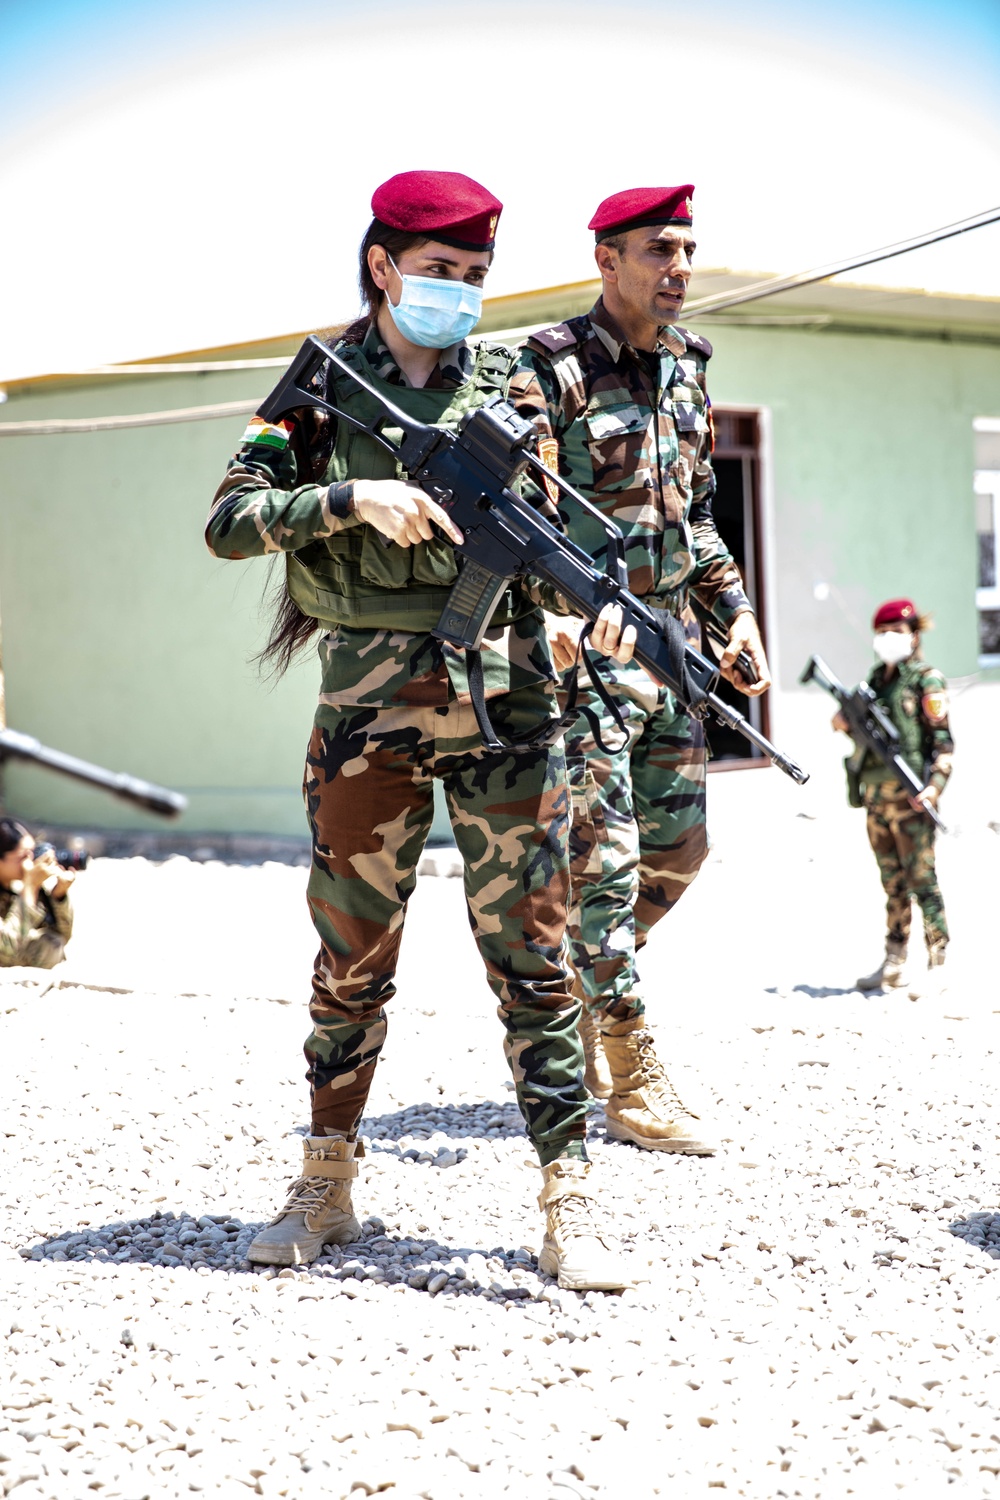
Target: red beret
(446, 206)
(893, 611)
(637, 207)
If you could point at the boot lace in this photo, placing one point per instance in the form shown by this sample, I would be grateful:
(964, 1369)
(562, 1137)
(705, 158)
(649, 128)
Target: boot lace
(655, 1074)
(307, 1195)
(573, 1218)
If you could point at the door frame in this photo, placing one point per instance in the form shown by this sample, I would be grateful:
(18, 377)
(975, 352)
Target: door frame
(758, 497)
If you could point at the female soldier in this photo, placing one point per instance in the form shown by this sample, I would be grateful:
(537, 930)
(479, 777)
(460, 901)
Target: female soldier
(914, 696)
(364, 565)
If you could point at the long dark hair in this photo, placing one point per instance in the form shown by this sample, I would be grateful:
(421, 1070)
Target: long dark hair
(11, 834)
(290, 628)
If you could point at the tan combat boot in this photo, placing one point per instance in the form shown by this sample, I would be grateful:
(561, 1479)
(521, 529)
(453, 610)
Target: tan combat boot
(933, 983)
(889, 974)
(318, 1209)
(645, 1108)
(596, 1073)
(574, 1250)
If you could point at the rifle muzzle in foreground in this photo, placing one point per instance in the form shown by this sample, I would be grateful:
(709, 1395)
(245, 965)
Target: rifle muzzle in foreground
(156, 799)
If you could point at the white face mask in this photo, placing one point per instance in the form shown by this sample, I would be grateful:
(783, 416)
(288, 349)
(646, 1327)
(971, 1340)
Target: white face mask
(892, 646)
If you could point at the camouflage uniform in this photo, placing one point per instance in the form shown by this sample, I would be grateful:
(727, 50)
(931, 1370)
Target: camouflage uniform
(914, 698)
(33, 932)
(632, 431)
(394, 713)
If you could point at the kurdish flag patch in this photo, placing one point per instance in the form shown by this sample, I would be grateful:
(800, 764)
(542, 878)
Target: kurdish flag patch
(271, 435)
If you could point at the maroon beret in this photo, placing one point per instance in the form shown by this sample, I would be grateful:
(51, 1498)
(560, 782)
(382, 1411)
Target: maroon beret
(637, 207)
(445, 206)
(893, 611)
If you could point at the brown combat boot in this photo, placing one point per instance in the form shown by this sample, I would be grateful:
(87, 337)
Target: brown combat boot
(596, 1073)
(889, 974)
(645, 1108)
(318, 1210)
(574, 1250)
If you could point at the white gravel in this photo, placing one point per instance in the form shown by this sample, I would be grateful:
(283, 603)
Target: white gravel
(807, 1325)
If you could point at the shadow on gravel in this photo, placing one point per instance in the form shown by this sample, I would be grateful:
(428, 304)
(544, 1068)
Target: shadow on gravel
(814, 991)
(981, 1230)
(217, 1242)
(469, 1122)
(485, 1120)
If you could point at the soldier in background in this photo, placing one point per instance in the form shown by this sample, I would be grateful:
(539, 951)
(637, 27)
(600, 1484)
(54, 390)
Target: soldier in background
(914, 696)
(626, 419)
(36, 913)
(367, 569)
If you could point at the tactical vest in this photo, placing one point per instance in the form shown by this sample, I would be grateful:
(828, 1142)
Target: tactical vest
(905, 694)
(353, 578)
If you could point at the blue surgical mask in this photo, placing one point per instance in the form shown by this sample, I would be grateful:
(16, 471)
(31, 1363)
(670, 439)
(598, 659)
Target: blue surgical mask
(433, 312)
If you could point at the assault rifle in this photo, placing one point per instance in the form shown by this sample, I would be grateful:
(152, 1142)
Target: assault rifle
(471, 473)
(157, 799)
(870, 729)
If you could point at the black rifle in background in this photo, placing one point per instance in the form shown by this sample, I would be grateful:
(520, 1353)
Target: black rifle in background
(471, 474)
(157, 799)
(870, 729)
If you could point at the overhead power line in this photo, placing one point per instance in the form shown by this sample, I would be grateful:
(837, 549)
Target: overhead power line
(702, 305)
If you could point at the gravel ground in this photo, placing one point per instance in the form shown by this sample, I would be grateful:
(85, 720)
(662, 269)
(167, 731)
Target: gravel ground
(805, 1324)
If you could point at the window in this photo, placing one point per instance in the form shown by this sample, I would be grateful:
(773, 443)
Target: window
(987, 491)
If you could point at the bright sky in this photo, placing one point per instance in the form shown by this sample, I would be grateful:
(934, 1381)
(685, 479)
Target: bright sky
(184, 175)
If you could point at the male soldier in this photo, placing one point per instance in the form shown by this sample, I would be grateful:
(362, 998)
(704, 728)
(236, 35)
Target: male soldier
(914, 696)
(626, 419)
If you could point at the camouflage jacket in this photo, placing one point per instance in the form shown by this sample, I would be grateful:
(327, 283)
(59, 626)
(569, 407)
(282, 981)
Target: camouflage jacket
(915, 698)
(632, 431)
(33, 933)
(274, 500)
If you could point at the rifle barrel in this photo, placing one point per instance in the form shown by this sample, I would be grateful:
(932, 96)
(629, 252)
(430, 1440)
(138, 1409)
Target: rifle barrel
(158, 799)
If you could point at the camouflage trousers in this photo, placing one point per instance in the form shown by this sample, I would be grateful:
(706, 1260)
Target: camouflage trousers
(369, 794)
(903, 844)
(638, 837)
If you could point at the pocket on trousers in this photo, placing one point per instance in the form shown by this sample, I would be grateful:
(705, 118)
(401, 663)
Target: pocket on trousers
(588, 810)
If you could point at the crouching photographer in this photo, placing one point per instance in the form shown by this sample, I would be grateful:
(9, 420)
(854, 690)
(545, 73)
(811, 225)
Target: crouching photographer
(36, 914)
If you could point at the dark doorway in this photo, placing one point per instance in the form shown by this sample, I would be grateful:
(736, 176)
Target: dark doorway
(738, 516)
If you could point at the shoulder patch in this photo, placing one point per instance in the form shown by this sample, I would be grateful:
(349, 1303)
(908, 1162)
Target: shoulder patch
(935, 705)
(268, 434)
(694, 341)
(558, 338)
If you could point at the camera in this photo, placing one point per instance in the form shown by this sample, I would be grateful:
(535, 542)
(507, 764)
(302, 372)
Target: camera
(67, 859)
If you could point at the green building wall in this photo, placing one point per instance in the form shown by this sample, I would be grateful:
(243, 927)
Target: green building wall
(124, 642)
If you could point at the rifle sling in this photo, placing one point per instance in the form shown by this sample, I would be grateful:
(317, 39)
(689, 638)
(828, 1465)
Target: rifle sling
(548, 732)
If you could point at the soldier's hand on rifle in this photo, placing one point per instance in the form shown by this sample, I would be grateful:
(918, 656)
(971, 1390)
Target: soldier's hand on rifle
(401, 511)
(839, 722)
(926, 798)
(609, 639)
(564, 638)
(744, 635)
